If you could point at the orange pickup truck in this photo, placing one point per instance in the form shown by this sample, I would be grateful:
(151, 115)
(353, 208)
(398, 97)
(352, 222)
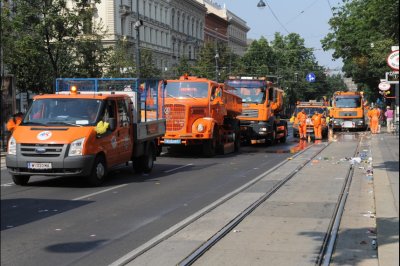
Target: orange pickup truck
(86, 128)
(200, 111)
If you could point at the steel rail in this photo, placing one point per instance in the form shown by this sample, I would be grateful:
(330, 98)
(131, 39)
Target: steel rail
(189, 260)
(327, 247)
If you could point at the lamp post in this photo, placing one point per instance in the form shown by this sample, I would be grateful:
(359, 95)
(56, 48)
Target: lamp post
(216, 64)
(137, 26)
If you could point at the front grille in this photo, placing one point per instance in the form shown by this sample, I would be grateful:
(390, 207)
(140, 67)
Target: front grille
(41, 150)
(175, 116)
(250, 113)
(348, 113)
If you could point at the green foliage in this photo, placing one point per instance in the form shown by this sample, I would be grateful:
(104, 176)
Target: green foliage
(362, 34)
(43, 40)
(147, 68)
(120, 62)
(183, 67)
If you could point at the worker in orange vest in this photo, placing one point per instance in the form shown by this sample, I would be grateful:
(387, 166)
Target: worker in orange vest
(317, 122)
(14, 121)
(373, 115)
(302, 118)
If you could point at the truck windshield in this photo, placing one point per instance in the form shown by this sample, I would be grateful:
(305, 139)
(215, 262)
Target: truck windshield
(310, 110)
(251, 95)
(348, 102)
(186, 90)
(77, 112)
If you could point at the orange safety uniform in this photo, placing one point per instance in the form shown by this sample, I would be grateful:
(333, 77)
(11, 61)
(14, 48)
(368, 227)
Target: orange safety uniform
(302, 118)
(373, 116)
(317, 122)
(13, 122)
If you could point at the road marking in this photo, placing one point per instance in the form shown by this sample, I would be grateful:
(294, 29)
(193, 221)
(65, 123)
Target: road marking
(180, 167)
(7, 184)
(99, 192)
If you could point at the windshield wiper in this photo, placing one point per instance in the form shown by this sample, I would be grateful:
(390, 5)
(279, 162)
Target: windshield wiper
(191, 96)
(171, 96)
(63, 123)
(33, 123)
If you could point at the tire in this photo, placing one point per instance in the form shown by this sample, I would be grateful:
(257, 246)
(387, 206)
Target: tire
(145, 163)
(99, 171)
(283, 139)
(210, 146)
(21, 180)
(271, 140)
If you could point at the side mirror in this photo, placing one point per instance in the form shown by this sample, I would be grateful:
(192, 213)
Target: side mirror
(112, 123)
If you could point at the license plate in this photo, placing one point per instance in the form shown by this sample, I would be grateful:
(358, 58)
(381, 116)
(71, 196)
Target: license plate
(348, 124)
(39, 165)
(172, 141)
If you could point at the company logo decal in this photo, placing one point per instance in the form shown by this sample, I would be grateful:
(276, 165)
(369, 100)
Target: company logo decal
(44, 135)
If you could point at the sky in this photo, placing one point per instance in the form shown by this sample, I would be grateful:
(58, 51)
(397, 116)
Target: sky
(308, 18)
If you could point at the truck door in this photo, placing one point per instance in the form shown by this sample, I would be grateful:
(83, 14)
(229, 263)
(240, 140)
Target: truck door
(124, 132)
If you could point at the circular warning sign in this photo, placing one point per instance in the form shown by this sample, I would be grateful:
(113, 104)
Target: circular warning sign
(384, 86)
(393, 60)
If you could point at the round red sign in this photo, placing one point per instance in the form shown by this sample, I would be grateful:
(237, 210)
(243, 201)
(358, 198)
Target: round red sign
(384, 86)
(393, 60)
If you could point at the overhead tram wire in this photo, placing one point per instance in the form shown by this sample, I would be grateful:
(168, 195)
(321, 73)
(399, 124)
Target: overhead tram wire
(277, 19)
(330, 6)
(301, 13)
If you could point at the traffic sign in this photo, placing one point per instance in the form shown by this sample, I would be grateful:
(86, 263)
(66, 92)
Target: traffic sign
(393, 60)
(310, 77)
(384, 86)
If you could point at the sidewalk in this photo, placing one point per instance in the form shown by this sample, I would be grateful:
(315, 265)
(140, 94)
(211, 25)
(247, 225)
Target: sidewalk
(288, 228)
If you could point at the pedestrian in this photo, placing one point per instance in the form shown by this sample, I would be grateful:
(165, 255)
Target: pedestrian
(373, 115)
(302, 118)
(389, 114)
(14, 121)
(317, 122)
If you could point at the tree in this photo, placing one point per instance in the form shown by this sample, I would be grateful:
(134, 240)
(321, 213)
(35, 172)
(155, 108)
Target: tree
(47, 39)
(147, 68)
(120, 62)
(362, 37)
(183, 67)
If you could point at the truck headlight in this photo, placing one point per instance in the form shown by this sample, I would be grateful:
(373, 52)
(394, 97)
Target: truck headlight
(76, 147)
(200, 128)
(12, 146)
(263, 129)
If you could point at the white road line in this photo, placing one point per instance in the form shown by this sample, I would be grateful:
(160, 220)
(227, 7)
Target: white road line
(180, 167)
(99, 192)
(7, 184)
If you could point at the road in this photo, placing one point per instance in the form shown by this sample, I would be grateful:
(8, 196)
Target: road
(62, 221)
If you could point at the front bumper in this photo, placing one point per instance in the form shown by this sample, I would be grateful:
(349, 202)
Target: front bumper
(68, 166)
(348, 123)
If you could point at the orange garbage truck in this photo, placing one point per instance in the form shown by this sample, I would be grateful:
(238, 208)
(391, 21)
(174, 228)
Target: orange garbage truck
(310, 108)
(347, 111)
(262, 104)
(199, 111)
(87, 127)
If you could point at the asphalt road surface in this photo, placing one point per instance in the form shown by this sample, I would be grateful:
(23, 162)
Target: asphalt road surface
(62, 221)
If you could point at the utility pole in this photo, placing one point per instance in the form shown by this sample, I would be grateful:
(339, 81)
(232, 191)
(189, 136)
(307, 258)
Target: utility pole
(216, 61)
(137, 26)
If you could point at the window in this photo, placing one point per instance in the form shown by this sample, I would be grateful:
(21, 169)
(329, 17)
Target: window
(124, 119)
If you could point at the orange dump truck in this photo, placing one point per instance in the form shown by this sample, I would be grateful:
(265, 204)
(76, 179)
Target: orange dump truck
(200, 111)
(86, 128)
(347, 110)
(262, 104)
(310, 108)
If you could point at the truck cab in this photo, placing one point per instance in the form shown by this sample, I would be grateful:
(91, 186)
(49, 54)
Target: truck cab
(262, 103)
(83, 132)
(310, 108)
(199, 111)
(347, 111)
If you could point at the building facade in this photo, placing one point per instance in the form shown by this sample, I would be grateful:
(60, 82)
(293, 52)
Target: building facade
(172, 29)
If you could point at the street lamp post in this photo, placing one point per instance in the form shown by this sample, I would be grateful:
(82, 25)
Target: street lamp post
(137, 26)
(216, 65)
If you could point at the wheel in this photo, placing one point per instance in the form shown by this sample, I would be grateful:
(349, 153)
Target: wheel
(283, 139)
(21, 180)
(210, 146)
(145, 163)
(272, 138)
(99, 171)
